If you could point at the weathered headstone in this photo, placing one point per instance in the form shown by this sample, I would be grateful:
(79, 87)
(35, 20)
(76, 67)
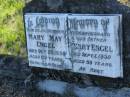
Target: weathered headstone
(60, 36)
(83, 43)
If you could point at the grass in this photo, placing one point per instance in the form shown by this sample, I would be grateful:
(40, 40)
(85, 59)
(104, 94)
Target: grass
(12, 38)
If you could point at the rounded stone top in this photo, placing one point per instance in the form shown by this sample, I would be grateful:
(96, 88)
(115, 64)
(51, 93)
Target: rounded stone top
(56, 3)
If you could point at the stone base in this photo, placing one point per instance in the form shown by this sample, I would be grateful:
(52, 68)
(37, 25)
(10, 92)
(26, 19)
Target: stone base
(65, 89)
(80, 79)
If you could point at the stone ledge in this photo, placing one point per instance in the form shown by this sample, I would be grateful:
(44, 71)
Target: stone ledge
(71, 90)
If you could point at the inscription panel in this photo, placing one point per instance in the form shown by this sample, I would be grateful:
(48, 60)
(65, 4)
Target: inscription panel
(82, 43)
(94, 44)
(46, 41)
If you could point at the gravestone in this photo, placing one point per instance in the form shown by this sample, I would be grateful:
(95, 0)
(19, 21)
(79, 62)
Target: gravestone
(61, 33)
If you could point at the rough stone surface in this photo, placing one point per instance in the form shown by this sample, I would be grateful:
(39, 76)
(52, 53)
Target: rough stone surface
(88, 7)
(54, 4)
(13, 72)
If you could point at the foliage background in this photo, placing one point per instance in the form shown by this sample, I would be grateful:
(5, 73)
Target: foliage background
(12, 37)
